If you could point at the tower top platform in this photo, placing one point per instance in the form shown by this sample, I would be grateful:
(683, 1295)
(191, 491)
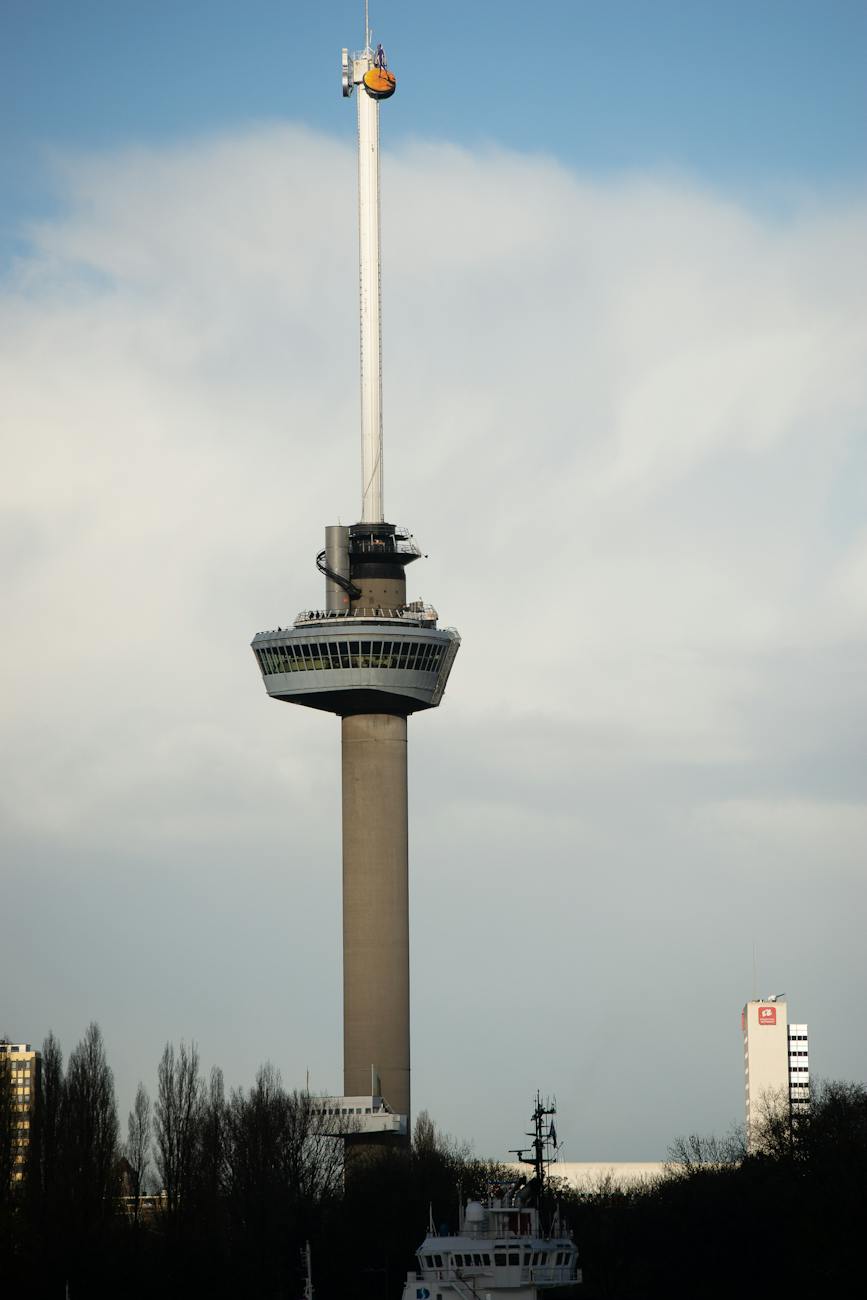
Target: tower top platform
(389, 541)
(365, 662)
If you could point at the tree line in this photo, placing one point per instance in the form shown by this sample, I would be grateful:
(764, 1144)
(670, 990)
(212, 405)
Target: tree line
(213, 1193)
(208, 1192)
(781, 1218)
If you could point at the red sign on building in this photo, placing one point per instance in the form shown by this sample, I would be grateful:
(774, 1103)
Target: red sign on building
(767, 1015)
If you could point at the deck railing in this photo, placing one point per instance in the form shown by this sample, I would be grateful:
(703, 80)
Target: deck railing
(416, 613)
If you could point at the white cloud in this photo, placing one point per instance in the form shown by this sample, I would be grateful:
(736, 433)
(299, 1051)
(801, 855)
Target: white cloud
(625, 418)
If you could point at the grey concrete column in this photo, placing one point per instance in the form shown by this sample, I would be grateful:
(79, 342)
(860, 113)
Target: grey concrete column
(337, 559)
(375, 908)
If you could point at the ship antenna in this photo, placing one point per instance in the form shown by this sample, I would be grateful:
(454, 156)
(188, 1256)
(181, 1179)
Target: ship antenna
(544, 1140)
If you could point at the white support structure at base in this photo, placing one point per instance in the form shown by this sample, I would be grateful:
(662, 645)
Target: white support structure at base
(360, 1115)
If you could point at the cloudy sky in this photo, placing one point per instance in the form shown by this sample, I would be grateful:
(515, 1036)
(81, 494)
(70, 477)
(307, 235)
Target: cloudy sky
(625, 415)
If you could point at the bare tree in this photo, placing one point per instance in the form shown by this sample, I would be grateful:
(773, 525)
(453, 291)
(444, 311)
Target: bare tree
(255, 1131)
(211, 1162)
(314, 1151)
(48, 1119)
(773, 1131)
(90, 1130)
(697, 1154)
(138, 1143)
(431, 1143)
(283, 1150)
(177, 1113)
(425, 1138)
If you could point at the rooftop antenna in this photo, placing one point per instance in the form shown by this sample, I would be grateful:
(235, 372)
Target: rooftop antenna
(366, 26)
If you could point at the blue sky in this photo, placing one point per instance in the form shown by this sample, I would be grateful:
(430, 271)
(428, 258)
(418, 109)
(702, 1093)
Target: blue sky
(624, 309)
(758, 95)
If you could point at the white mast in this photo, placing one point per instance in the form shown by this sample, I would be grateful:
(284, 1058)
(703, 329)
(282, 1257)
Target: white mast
(354, 70)
(371, 311)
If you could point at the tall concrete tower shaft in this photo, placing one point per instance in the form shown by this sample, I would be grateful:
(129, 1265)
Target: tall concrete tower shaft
(373, 658)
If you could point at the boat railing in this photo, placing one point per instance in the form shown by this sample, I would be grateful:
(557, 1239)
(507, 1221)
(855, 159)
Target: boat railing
(463, 1287)
(546, 1273)
(526, 1275)
(458, 1276)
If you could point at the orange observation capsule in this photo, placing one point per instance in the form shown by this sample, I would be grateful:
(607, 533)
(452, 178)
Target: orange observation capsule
(380, 83)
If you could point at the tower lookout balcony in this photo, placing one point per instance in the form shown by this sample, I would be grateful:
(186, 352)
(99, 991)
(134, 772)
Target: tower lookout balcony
(362, 661)
(368, 651)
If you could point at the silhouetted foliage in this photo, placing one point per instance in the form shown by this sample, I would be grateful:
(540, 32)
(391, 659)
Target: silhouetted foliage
(89, 1131)
(47, 1120)
(180, 1094)
(692, 1155)
(138, 1146)
(256, 1174)
(786, 1218)
(210, 1175)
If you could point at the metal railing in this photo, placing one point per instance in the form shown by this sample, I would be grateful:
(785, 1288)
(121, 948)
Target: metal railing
(540, 1274)
(383, 546)
(549, 1273)
(416, 613)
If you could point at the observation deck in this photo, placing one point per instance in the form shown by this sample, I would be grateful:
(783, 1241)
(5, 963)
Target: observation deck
(391, 543)
(364, 660)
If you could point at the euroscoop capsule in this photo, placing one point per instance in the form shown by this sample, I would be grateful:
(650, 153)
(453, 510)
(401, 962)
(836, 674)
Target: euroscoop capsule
(380, 83)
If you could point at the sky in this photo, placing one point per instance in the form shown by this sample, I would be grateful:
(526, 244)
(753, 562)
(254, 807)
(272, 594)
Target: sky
(625, 403)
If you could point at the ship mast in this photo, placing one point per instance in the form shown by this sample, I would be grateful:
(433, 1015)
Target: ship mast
(544, 1148)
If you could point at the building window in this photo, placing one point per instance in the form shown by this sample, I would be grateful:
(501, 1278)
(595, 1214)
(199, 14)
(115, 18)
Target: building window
(317, 656)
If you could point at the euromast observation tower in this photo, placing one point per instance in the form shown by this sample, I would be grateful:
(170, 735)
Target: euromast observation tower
(372, 658)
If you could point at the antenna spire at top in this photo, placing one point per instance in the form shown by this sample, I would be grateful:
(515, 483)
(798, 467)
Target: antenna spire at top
(370, 73)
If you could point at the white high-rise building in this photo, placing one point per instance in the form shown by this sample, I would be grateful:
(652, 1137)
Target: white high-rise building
(776, 1061)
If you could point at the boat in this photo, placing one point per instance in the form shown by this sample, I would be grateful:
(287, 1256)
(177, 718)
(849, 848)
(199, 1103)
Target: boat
(510, 1246)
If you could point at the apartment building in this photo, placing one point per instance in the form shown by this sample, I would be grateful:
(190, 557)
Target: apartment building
(22, 1065)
